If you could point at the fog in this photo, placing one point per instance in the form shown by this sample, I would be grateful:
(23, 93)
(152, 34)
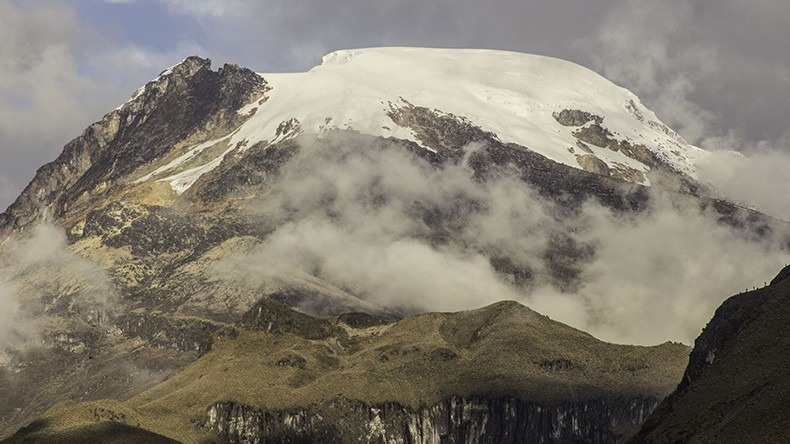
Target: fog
(9, 315)
(757, 179)
(375, 220)
(661, 274)
(40, 278)
(359, 215)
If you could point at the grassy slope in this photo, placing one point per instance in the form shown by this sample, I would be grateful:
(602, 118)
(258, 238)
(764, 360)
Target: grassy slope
(501, 350)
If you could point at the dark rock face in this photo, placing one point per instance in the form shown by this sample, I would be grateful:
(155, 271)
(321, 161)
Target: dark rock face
(361, 320)
(146, 230)
(189, 102)
(273, 317)
(455, 420)
(575, 117)
(567, 186)
(185, 335)
(247, 174)
(736, 384)
(445, 133)
(451, 137)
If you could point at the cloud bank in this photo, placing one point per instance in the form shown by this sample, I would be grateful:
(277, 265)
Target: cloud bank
(40, 278)
(387, 226)
(756, 180)
(661, 274)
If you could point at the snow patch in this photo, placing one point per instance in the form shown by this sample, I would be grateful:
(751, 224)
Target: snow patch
(189, 155)
(185, 179)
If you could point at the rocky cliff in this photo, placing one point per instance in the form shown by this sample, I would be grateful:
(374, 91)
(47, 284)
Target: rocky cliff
(454, 420)
(137, 133)
(735, 386)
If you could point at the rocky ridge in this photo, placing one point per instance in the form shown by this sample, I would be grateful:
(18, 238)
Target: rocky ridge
(137, 133)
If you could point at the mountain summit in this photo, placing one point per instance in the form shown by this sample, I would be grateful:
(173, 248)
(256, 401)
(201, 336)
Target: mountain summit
(560, 110)
(439, 99)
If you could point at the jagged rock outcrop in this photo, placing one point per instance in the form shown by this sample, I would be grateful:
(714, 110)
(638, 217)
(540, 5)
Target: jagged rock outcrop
(593, 164)
(445, 133)
(182, 334)
(204, 104)
(273, 317)
(243, 177)
(736, 384)
(576, 117)
(454, 420)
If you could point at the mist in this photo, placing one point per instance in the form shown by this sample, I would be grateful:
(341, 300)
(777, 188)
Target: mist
(8, 315)
(41, 278)
(757, 179)
(387, 226)
(661, 274)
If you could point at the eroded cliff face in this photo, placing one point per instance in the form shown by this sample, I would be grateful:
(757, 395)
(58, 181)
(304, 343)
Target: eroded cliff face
(454, 420)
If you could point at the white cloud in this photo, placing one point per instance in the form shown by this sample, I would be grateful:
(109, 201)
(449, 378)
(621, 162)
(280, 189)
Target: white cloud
(660, 275)
(40, 277)
(39, 74)
(9, 317)
(758, 180)
(351, 214)
(635, 46)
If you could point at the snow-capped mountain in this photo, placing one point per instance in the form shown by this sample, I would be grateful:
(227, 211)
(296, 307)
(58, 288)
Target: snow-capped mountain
(565, 112)
(390, 182)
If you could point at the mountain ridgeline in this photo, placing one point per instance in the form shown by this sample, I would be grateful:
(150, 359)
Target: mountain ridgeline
(244, 257)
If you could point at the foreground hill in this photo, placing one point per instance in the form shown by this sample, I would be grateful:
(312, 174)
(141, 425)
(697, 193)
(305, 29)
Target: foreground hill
(736, 386)
(499, 374)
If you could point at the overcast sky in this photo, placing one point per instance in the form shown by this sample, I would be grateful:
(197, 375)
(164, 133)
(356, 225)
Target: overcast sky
(718, 71)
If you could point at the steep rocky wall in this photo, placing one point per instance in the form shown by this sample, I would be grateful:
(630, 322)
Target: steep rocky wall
(189, 101)
(735, 388)
(455, 420)
(186, 335)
